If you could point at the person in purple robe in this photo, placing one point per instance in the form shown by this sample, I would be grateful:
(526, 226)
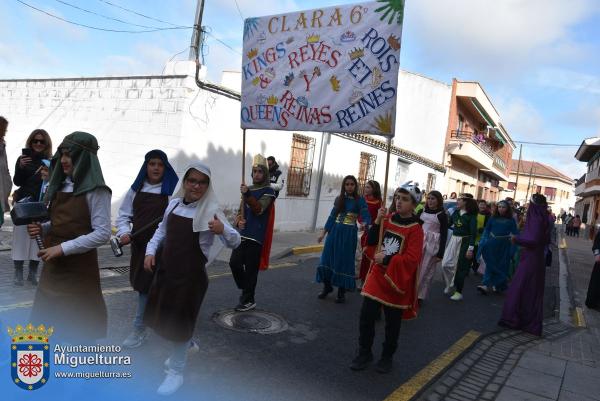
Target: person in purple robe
(524, 305)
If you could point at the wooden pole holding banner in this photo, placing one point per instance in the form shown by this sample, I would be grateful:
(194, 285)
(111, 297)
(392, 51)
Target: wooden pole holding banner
(385, 188)
(518, 171)
(243, 170)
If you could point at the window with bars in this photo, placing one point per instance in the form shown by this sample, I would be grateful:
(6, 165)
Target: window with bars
(366, 169)
(512, 186)
(550, 193)
(430, 182)
(300, 170)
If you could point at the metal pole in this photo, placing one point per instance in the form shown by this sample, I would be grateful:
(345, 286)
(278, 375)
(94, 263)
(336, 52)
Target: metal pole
(325, 139)
(195, 40)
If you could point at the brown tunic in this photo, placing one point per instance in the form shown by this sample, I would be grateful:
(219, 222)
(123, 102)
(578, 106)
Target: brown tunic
(146, 208)
(180, 283)
(69, 296)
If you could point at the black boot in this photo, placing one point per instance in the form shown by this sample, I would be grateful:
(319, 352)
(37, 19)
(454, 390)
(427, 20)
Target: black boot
(19, 275)
(327, 288)
(362, 360)
(341, 296)
(32, 276)
(384, 365)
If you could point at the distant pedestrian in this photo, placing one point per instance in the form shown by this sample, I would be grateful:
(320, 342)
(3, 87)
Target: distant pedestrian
(569, 224)
(460, 249)
(392, 280)
(524, 304)
(5, 180)
(435, 229)
(592, 300)
(496, 249)
(28, 177)
(372, 194)
(337, 265)
(576, 223)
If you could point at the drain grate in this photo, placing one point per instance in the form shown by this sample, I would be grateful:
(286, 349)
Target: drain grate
(254, 321)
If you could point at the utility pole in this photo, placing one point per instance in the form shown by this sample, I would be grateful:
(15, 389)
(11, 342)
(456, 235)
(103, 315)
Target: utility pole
(529, 183)
(518, 170)
(195, 40)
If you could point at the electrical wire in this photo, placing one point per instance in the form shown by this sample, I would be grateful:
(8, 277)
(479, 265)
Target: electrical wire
(137, 13)
(105, 16)
(238, 8)
(546, 144)
(220, 41)
(99, 28)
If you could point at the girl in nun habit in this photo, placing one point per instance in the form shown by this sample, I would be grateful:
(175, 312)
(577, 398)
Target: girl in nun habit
(69, 296)
(187, 234)
(144, 204)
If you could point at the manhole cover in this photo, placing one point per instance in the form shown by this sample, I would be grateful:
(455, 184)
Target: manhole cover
(254, 321)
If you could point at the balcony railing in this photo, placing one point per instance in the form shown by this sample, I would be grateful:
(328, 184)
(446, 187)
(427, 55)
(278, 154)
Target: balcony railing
(499, 163)
(470, 136)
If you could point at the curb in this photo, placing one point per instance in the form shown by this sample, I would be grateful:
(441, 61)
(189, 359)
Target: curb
(299, 250)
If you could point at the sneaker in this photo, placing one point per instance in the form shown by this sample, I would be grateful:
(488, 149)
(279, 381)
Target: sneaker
(457, 296)
(173, 380)
(483, 289)
(136, 339)
(193, 349)
(362, 360)
(245, 307)
(384, 365)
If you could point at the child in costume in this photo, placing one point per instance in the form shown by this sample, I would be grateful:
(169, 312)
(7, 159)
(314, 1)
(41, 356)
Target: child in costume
(69, 296)
(274, 174)
(435, 228)
(459, 252)
(392, 279)
(483, 215)
(372, 193)
(257, 201)
(337, 264)
(496, 249)
(144, 204)
(191, 235)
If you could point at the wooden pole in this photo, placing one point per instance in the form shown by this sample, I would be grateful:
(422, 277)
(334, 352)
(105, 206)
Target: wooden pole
(529, 183)
(243, 170)
(385, 188)
(518, 170)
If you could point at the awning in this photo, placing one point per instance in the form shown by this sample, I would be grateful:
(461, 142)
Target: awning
(499, 136)
(483, 113)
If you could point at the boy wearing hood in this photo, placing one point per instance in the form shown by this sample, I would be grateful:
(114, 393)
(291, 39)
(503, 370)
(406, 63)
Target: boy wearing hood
(252, 221)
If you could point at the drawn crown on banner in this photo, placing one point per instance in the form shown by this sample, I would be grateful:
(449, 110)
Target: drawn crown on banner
(252, 53)
(30, 333)
(272, 100)
(393, 42)
(356, 53)
(313, 38)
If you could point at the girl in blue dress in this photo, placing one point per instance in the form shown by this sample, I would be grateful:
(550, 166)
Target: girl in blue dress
(496, 248)
(337, 265)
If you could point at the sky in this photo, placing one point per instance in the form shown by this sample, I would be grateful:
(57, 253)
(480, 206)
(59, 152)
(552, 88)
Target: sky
(538, 60)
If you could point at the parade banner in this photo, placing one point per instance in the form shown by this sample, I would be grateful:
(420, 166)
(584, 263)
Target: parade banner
(330, 69)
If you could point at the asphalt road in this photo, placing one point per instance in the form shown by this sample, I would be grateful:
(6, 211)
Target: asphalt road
(309, 361)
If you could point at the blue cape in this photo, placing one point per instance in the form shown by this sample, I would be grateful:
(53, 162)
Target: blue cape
(169, 180)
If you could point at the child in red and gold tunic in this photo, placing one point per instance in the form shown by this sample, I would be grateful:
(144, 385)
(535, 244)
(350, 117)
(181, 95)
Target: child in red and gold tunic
(392, 279)
(372, 193)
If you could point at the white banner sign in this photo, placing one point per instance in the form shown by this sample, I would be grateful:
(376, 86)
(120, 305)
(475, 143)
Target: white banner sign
(332, 69)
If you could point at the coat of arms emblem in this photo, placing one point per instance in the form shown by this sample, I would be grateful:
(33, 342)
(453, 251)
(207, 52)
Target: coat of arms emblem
(30, 355)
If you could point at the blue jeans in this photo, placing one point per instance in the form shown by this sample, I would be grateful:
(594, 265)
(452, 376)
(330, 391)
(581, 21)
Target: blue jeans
(178, 356)
(138, 322)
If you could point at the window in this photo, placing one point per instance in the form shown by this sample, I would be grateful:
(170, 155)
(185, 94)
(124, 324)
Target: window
(550, 193)
(512, 186)
(300, 171)
(401, 171)
(430, 182)
(366, 169)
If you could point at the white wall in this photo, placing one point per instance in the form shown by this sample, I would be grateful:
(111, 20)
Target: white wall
(133, 115)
